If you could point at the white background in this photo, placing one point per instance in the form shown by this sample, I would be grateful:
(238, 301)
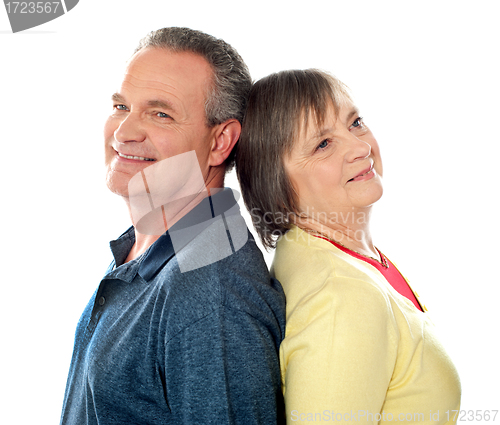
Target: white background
(425, 76)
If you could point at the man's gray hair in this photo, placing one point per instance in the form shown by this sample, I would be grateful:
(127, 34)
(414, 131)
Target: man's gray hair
(232, 80)
(228, 96)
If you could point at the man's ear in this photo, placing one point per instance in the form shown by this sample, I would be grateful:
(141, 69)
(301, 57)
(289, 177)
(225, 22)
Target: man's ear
(225, 137)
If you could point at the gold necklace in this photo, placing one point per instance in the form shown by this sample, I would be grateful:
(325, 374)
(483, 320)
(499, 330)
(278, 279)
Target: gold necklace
(382, 262)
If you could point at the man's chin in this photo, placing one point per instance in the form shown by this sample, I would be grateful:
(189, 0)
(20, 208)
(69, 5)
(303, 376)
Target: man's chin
(117, 182)
(120, 190)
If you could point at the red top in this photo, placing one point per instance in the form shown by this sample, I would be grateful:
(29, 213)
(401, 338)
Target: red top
(391, 273)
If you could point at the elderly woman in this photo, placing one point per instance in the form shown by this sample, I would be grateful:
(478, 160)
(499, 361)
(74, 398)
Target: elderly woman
(359, 345)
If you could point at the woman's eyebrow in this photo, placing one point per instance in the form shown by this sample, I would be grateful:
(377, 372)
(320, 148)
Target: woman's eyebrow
(354, 111)
(323, 131)
(316, 137)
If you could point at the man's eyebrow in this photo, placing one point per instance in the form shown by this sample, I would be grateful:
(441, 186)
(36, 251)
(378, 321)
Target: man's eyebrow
(162, 104)
(116, 97)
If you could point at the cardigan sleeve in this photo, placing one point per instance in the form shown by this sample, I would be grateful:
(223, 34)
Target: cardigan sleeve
(339, 352)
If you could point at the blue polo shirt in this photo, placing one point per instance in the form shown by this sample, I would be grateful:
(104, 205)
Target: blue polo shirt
(187, 333)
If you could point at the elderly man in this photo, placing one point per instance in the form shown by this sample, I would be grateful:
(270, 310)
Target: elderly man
(186, 323)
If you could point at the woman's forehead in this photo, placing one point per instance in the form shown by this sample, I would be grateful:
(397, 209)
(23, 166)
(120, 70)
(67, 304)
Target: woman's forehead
(318, 121)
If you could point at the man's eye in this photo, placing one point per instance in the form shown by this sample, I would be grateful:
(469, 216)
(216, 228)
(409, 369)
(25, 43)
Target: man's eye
(120, 107)
(162, 115)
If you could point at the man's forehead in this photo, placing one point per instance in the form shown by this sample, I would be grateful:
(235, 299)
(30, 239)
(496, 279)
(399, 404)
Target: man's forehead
(156, 62)
(167, 72)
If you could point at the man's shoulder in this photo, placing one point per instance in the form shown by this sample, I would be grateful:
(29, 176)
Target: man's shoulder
(222, 245)
(232, 276)
(218, 262)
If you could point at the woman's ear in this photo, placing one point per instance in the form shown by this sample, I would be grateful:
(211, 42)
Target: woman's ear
(225, 137)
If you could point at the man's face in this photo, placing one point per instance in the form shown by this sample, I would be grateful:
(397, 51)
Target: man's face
(158, 112)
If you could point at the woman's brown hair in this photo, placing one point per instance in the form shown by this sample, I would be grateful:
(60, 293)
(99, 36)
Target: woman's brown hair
(279, 108)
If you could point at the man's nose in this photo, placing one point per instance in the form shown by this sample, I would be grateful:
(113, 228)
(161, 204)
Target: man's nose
(130, 129)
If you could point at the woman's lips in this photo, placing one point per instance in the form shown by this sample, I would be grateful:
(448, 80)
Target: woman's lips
(366, 174)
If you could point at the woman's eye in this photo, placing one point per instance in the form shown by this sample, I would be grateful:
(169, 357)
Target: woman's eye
(323, 144)
(358, 122)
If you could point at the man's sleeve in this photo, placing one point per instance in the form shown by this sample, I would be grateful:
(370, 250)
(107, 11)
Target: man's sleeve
(224, 369)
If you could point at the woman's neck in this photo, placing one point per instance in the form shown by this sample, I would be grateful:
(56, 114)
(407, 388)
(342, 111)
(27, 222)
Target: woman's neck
(350, 228)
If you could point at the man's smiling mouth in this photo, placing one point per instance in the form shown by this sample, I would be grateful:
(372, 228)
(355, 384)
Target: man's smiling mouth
(141, 158)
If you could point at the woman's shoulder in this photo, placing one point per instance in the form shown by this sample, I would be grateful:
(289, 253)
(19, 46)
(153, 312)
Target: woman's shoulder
(299, 252)
(307, 266)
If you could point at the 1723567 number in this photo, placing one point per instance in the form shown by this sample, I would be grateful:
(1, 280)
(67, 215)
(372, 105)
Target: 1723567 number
(32, 7)
(472, 415)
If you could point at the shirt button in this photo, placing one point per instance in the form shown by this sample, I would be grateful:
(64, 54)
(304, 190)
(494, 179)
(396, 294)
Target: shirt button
(102, 300)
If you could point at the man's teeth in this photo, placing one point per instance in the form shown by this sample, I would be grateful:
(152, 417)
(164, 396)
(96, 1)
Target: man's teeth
(134, 157)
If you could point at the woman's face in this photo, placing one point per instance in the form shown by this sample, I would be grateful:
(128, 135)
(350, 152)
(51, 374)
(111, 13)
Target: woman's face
(335, 168)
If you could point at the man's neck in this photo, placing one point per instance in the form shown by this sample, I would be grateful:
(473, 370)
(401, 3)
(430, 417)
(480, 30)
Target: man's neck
(153, 225)
(141, 244)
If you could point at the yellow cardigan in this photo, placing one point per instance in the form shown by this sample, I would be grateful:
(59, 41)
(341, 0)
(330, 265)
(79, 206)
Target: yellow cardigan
(354, 348)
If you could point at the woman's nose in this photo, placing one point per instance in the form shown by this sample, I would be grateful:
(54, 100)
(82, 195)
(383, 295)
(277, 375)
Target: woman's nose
(357, 148)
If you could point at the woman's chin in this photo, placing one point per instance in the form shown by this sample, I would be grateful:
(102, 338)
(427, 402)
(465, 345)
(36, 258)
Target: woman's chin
(367, 196)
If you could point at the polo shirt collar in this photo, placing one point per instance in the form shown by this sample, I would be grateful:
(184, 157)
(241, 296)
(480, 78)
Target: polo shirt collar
(161, 251)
